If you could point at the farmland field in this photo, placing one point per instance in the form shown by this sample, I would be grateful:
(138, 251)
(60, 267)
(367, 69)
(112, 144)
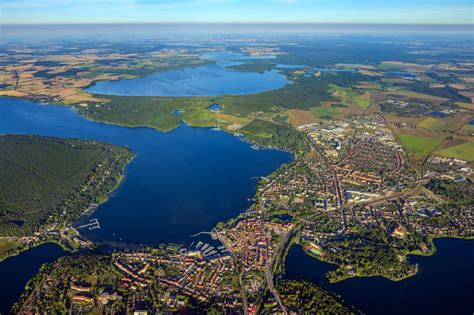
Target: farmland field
(417, 145)
(463, 151)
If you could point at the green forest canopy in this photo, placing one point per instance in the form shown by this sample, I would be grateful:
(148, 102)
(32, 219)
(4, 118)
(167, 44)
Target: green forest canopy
(42, 178)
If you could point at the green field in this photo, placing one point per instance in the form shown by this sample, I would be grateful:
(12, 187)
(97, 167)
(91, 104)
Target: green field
(349, 97)
(7, 246)
(325, 112)
(390, 66)
(463, 151)
(418, 145)
(417, 95)
(432, 123)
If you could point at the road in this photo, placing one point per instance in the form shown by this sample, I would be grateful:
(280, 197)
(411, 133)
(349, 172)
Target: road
(399, 162)
(244, 295)
(269, 272)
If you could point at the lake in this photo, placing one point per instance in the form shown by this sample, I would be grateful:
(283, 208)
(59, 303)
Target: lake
(443, 284)
(207, 80)
(17, 270)
(180, 183)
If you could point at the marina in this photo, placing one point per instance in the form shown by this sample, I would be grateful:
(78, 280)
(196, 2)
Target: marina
(92, 225)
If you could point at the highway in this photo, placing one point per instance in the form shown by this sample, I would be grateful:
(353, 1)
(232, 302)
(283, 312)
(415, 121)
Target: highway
(269, 271)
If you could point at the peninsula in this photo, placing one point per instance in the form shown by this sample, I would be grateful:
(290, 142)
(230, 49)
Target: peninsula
(47, 183)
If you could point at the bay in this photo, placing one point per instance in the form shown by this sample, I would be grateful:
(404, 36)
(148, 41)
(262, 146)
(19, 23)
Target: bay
(443, 284)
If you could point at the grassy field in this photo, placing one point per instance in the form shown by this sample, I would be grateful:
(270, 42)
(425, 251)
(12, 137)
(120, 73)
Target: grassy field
(393, 118)
(432, 123)
(418, 146)
(326, 112)
(374, 86)
(6, 246)
(467, 130)
(396, 80)
(463, 151)
(468, 106)
(390, 66)
(233, 122)
(417, 95)
(298, 117)
(363, 100)
(349, 97)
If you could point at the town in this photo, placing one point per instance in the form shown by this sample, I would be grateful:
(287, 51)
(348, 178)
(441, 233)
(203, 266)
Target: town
(353, 198)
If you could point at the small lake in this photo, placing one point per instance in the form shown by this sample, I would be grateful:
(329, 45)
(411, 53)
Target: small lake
(438, 114)
(443, 284)
(207, 80)
(17, 270)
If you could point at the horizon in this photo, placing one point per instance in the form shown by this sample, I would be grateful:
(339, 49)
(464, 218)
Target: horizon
(243, 11)
(13, 31)
(240, 23)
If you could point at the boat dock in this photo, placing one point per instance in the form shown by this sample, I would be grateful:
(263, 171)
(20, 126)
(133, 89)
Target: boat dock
(92, 225)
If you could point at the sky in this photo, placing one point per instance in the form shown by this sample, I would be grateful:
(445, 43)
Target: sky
(237, 11)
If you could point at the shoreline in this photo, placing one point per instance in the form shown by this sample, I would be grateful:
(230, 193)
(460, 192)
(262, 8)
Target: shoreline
(407, 256)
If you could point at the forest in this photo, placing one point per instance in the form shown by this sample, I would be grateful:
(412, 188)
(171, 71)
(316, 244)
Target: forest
(307, 298)
(48, 180)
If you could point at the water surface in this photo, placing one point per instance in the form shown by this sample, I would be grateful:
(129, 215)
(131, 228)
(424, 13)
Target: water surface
(207, 80)
(180, 183)
(442, 286)
(17, 270)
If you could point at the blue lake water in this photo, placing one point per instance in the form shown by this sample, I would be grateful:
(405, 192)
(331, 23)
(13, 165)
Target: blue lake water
(17, 270)
(286, 66)
(214, 107)
(335, 70)
(438, 114)
(206, 80)
(180, 183)
(443, 284)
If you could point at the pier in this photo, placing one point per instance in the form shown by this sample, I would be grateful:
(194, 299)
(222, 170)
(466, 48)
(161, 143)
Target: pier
(201, 233)
(92, 225)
